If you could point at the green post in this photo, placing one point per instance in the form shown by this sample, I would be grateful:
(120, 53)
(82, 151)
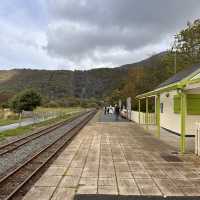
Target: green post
(158, 115)
(183, 113)
(139, 109)
(147, 111)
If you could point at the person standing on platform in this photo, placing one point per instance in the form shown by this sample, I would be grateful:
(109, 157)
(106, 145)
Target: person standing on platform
(117, 112)
(110, 110)
(105, 110)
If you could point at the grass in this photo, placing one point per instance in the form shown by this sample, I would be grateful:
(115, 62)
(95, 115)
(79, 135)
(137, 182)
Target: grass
(4, 122)
(63, 110)
(40, 110)
(33, 127)
(15, 132)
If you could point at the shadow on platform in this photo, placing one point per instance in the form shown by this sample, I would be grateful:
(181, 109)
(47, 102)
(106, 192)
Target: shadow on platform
(110, 118)
(130, 197)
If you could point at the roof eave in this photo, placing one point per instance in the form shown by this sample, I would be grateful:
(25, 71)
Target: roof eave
(193, 81)
(158, 91)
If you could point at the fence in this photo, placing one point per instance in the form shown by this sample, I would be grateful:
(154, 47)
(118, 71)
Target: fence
(140, 117)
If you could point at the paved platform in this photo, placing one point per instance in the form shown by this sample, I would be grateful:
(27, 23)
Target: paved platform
(110, 118)
(172, 139)
(118, 158)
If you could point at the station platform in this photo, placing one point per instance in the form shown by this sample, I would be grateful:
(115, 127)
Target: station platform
(118, 160)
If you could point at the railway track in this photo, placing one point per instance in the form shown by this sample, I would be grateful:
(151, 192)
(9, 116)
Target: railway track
(17, 179)
(9, 147)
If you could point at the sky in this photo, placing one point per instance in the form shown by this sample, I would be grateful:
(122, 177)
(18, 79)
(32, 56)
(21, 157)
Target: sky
(85, 34)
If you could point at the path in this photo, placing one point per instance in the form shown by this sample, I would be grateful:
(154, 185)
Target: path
(24, 122)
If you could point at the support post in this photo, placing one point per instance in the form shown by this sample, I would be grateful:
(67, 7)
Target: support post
(147, 111)
(158, 115)
(183, 113)
(139, 108)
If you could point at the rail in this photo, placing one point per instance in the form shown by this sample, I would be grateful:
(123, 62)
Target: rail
(15, 180)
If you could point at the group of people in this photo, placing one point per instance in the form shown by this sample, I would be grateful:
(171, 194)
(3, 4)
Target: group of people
(110, 110)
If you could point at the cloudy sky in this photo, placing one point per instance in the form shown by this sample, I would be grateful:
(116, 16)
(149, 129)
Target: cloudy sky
(83, 34)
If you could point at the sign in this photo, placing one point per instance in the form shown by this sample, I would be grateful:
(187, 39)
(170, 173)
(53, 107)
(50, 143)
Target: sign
(128, 105)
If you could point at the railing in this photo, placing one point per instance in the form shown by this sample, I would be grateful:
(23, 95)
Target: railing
(142, 117)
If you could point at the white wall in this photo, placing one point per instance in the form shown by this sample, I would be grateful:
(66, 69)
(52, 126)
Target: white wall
(135, 117)
(192, 120)
(168, 119)
(171, 120)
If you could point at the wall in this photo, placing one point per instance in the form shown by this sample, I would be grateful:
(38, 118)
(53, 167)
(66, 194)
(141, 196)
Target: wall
(168, 119)
(171, 121)
(135, 117)
(192, 120)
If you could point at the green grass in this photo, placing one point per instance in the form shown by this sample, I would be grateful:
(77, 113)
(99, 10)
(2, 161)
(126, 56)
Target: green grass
(29, 128)
(63, 110)
(4, 122)
(15, 132)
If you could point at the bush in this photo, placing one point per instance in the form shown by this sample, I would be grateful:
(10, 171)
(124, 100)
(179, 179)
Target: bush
(52, 104)
(5, 105)
(27, 100)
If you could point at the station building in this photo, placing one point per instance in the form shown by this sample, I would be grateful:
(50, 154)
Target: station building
(177, 104)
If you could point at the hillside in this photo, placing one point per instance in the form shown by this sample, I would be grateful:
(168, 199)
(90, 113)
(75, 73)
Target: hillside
(82, 84)
(60, 83)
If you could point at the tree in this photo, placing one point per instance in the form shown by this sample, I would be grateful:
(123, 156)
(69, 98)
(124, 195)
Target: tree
(27, 100)
(187, 42)
(114, 97)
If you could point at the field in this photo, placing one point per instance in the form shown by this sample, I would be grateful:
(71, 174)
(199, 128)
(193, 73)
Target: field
(58, 110)
(4, 122)
(59, 114)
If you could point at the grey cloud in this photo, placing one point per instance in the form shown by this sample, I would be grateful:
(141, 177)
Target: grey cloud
(123, 13)
(83, 29)
(65, 40)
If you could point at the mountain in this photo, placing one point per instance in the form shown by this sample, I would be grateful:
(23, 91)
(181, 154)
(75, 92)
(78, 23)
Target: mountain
(61, 83)
(82, 84)
(147, 63)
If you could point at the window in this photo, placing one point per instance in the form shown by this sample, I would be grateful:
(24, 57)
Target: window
(177, 104)
(193, 104)
(161, 107)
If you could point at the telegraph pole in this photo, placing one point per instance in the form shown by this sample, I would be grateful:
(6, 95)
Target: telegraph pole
(175, 57)
(175, 62)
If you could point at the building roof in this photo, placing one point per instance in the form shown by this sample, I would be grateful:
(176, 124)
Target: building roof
(174, 82)
(180, 76)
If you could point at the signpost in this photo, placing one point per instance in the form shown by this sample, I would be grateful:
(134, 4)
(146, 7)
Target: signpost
(128, 105)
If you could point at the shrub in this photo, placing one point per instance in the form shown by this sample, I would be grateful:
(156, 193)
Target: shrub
(27, 100)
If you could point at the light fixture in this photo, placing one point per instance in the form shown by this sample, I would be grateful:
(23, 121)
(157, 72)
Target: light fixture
(179, 90)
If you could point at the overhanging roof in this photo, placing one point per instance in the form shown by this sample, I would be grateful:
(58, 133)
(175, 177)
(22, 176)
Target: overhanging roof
(179, 80)
(180, 75)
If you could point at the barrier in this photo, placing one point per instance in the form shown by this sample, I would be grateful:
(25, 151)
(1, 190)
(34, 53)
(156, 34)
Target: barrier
(140, 117)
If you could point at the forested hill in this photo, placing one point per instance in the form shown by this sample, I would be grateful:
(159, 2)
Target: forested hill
(60, 83)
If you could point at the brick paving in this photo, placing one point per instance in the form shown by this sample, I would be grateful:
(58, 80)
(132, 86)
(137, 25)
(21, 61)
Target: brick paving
(117, 158)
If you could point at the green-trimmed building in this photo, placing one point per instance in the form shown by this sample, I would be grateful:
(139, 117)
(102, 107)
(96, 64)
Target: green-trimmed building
(177, 103)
